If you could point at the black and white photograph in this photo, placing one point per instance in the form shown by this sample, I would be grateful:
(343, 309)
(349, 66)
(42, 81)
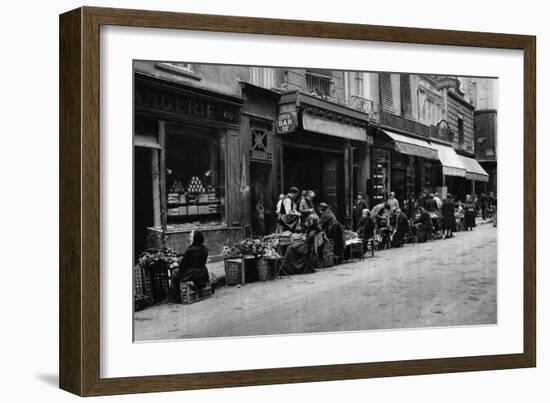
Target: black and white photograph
(274, 200)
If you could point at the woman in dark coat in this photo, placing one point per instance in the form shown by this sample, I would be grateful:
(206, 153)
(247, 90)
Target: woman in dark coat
(425, 225)
(334, 231)
(469, 213)
(301, 254)
(448, 210)
(401, 228)
(192, 266)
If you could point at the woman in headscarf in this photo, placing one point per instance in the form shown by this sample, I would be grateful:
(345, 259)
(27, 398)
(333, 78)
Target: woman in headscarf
(192, 266)
(334, 231)
(469, 213)
(301, 254)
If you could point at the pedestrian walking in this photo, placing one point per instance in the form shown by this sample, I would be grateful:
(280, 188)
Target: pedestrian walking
(334, 231)
(469, 213)
(448, 211)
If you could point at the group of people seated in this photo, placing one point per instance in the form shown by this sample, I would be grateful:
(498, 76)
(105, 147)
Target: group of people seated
(296, 213)
(425, 217)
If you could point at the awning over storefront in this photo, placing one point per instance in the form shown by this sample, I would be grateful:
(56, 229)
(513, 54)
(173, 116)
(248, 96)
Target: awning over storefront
(452, 164)
(474, 171)
(411, 145)
(332, 128)
(145, 140)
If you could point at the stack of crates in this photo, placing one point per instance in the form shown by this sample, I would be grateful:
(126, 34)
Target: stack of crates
(189, 294)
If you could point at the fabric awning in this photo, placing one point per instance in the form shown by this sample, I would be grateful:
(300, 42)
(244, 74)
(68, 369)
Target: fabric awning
(145, 140)
(412, 146)
(452, 164)
(474, 171)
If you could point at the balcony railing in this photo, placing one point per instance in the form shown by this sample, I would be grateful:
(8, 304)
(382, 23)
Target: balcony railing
(362, 104)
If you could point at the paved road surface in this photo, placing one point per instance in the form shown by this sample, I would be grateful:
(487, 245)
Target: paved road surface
(440, 283)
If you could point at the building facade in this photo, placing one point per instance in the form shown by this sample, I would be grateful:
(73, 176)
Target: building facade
(214, 145)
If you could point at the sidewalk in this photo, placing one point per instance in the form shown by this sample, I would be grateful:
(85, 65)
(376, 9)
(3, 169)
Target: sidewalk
(217, 268)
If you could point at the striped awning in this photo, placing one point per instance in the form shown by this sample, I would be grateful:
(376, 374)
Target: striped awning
(474, 171)
(411, 146)
(452, 164)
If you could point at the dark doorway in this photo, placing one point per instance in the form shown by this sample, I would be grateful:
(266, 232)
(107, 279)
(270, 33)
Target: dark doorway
(261, 199)
(320, 171)
(143, 198)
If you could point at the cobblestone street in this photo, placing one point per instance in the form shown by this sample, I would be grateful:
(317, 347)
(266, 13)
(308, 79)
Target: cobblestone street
(440, 283)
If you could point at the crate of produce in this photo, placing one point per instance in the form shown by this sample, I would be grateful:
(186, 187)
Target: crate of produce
(173, 197)
(203, 198)
(173, 211)
(159, 285)
(234, 271)
(190, 294)
(138, 280)
(204, 209)
(183, 198)
(193, 209)
(268, 268)
(183, 210)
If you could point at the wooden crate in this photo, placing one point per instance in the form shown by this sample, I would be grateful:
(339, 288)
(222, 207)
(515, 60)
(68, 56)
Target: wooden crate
(190, 295)
(234, 271)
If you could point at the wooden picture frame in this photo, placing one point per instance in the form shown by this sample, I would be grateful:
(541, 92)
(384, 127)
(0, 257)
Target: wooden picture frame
(80, 185)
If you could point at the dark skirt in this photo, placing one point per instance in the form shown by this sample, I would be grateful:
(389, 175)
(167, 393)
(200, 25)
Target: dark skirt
(298, 259)
(469, 219)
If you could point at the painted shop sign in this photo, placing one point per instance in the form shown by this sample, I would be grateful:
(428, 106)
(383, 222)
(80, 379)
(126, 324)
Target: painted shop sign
(186, 105)
(286, 122)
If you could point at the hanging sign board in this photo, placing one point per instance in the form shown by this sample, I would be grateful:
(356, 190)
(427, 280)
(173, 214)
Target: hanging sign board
(286, 122)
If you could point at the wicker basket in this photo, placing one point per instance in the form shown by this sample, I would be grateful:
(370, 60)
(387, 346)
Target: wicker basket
(268, 269)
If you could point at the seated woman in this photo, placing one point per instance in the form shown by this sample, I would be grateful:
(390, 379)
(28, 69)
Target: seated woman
(382, 226)
(301, 254)
(425, 225)
(365, 228)
(401, 228)
(192, 266)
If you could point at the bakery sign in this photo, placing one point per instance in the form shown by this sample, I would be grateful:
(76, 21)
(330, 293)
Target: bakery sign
(286, 122)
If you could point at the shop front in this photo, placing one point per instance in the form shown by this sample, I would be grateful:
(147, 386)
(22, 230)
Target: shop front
(401, 164)
(185, 148)
(453, 172)
(323, 148)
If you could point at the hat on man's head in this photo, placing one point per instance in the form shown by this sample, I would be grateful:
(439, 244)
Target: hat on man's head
(323, 206)
(293, 189)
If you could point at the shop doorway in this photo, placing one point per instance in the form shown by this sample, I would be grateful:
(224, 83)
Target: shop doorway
(143, 198)
(262, 199)
(320, 171)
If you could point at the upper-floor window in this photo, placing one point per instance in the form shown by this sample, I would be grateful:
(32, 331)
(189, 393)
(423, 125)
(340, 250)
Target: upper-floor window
(357, 84)
(429, 107)
(262, 77)
(386, 92)
(405, 89)
(318, 84)
(181, 69)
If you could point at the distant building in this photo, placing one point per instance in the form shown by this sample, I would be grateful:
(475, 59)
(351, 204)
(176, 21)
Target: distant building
(483, 93)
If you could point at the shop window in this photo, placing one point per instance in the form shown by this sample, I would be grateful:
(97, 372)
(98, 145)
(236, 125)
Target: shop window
(195, 177)
(318, 84)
